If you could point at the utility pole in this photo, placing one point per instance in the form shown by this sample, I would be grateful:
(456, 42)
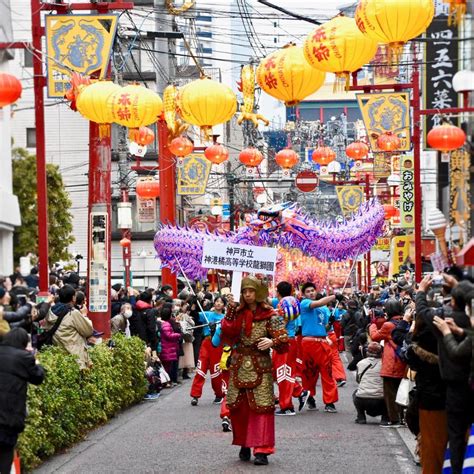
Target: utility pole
(166, 160)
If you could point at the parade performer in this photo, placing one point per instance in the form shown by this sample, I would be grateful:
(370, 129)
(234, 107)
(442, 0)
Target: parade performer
(338, 371)
(284, 364)
(209, 356)
(252, 328)
(224, 366)
(316, 348)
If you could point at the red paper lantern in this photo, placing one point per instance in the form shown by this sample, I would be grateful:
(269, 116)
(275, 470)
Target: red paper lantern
(148, 188)
(323, 155)
(142, 135)
(446, 137)
(216, 153)
(125, 242)
(10, 89)
(357, 150)
(286, 158)
(390, 211)
(250, 157)
(388, 142)
(181, 146)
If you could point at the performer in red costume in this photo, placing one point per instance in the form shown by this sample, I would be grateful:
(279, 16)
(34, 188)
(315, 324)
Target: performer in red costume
(252, 328)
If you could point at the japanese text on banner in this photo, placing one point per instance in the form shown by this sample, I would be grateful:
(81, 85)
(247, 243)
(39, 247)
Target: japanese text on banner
(407, 193)
(237, 257)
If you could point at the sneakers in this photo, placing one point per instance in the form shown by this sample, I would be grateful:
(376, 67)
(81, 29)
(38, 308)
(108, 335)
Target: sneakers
(217, 400)
(151, 396)
(244, 454)
(261, 459)
(311, 403)
(303, 398)
(330, 408)
(194, 401)
(389, 424)
(341, 383)
(360, 421)
(226, 425)
(287, 412)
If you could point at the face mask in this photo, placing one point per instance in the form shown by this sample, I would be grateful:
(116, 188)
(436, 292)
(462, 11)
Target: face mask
(128, 313)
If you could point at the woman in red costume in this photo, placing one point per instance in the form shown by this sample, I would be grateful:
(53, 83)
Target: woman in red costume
(253, 328)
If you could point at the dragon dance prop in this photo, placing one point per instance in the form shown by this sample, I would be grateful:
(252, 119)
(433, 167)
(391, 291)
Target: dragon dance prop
(283, 226)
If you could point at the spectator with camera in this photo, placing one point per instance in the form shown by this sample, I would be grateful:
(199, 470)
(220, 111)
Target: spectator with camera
(70, 329)
(369, 397)
(21, 314)
(454, 372)
(393, 368)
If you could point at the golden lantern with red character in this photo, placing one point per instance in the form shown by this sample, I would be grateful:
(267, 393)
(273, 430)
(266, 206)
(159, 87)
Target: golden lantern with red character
(446, 137)
(357, 150)
(323, 155)
(216, 153)
(338, 46)
(148, 188)
(10, 89)
(142, 135)
(388, 142)
(286, 159)
(181, 146)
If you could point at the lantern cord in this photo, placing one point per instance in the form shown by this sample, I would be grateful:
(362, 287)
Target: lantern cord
(287, 12)
(194, 58)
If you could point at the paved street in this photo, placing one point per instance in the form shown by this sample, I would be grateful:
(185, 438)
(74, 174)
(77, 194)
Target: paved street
(169, 435)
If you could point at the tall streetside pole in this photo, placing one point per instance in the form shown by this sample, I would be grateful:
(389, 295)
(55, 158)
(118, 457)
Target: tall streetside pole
(417, 169)
(100, 211)
(41, 183)
(368, 259)
(167, 191)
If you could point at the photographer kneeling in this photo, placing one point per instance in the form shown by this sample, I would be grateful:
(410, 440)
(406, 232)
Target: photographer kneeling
(368, 398)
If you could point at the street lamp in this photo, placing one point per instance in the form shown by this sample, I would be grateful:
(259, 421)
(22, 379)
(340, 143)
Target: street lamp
(463, 82)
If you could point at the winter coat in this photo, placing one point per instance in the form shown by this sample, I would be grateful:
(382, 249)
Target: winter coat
(17, 369)
(458, 351)
(370, 381)
(118, 324)
(451, 371)
(350, 322)
(72, 333)
(422, 357)
(392, 365)
(169, 342)
(143, 324)
(23, 312)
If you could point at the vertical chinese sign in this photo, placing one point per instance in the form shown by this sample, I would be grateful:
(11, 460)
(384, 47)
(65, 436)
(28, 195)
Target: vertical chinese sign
(441, 58)
(459, 192)
(407, 195)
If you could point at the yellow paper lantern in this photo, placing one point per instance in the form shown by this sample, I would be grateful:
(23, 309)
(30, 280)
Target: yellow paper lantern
(394, 22)
(135, 106)
(287, 76)
(206, 103)
(92, 101)
(338, 46)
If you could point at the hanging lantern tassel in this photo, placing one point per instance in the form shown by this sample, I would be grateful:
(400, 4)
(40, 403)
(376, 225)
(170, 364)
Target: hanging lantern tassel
(395, 51)
(457, 10)
(342, 82)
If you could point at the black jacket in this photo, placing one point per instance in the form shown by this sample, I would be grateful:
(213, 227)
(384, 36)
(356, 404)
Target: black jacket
(143, 324)
(451, 371)
(20, 314)
(17, 369)
(422, 357)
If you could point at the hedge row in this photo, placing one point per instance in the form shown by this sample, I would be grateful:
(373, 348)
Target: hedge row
(70, 403)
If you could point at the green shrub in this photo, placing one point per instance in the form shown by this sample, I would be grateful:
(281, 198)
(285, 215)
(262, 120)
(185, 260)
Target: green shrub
(69, 402)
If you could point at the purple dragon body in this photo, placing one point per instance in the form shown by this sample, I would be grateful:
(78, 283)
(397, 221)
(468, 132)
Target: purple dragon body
(280, 226)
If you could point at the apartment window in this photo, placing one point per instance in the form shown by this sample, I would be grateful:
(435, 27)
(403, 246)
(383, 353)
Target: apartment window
(31, 138)
(28, 58)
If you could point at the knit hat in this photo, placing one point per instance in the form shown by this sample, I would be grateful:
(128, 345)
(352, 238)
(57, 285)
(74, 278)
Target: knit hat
(374, 349)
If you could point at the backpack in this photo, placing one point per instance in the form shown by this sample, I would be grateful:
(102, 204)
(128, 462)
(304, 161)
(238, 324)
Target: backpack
(46, 337)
